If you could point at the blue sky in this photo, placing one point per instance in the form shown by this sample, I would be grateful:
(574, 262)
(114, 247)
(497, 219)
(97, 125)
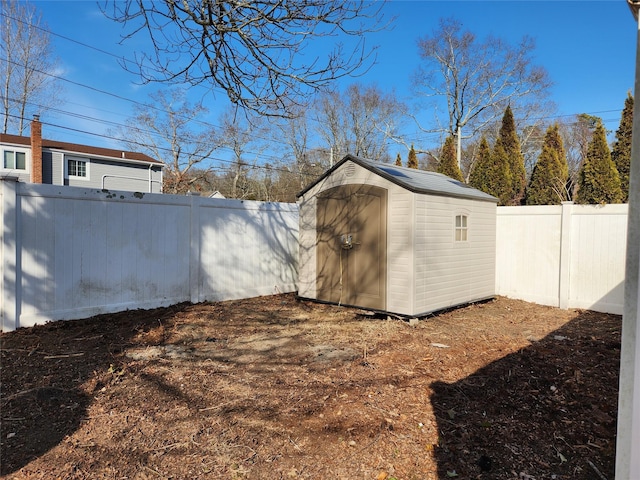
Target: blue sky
(588, 48)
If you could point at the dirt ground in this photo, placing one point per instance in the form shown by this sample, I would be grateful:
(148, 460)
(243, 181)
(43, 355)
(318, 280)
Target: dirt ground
(276, 387)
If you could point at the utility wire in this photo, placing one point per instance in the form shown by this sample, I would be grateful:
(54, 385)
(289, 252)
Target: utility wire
(105, 52)
(418, 135)
(148, 132)
(242, 163)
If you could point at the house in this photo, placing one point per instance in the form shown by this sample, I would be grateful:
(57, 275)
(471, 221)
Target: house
(395, 239)
(37, 160)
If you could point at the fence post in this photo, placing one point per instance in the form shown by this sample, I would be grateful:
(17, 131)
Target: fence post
(628, 436)
(10, 281)
(565, 254)
(195, 269)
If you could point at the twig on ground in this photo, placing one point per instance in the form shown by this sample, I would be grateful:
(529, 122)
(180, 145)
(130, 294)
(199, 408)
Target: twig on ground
(64, 355)
(602, 477)
(152, 470)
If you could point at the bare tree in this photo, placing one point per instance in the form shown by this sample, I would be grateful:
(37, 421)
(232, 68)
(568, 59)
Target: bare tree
(244, 138)
(360, 121)
(27, 64)
(168, 130)
(577, 135)
(252, 50)
(301, 164)
(473, 82)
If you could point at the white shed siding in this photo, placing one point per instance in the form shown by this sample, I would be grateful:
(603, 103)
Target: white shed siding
(400, 261)
(448, 271)
(307, 250)
(426, 269)
(399, 255)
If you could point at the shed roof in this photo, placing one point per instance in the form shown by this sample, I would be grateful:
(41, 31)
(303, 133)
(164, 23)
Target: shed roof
(417, 181)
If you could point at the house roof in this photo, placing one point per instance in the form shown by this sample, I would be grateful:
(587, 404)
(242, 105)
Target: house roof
(417, 181)
(120, 155)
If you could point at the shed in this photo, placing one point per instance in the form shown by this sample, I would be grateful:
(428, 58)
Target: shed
(394, 239)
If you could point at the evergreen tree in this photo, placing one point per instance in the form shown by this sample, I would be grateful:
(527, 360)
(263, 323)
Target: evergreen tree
(621, 152)
(501, 176)
(598, 180)
(412, 161)
(448, 162)
(508, 146)
(480, 174)
(490, 174)
(398, 160)
(550, 174)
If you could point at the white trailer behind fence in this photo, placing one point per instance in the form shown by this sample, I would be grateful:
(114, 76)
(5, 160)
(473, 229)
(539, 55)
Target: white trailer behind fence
(568, 256)
(71, 253)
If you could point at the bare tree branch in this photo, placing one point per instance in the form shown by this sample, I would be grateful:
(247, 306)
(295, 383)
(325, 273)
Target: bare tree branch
(27, 59)
(255, 51)
(167, 130)
(359, 121)
(477, 80)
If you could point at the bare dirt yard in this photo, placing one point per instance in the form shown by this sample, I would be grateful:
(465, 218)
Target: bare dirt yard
(276, 387)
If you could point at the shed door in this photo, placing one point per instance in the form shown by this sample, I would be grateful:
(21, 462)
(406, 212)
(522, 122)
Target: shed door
(352, 246)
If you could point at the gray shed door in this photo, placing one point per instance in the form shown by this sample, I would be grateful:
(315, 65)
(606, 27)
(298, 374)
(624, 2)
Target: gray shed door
(352, 246)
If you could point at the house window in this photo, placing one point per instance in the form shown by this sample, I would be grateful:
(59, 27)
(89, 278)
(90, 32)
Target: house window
(14, 160)
(76, 168)
(461, 228)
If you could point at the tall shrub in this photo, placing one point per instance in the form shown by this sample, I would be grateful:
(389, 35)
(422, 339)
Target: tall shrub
(507, 149)
(621, 151)
(448, 162)
(490, 174)
(549, 178)
(598, 181)
(412, 161)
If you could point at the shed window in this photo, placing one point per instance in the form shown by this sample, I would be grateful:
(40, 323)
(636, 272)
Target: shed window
(461, 228)
(14, 160)
(77, 168)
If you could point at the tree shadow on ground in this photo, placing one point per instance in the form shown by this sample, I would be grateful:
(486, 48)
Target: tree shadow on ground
(65, 364)
(554, 400)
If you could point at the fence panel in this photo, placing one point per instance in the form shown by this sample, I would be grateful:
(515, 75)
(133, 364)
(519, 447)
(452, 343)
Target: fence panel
(72, 253)
(247, 249)
(569, 256)
(598, 252)
(528, 253)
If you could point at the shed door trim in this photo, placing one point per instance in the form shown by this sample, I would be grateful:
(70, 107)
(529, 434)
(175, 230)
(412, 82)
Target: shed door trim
(351, 233)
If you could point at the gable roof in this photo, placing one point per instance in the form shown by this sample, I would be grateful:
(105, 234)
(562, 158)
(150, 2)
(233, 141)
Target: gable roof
(119, 155)
(417, 181)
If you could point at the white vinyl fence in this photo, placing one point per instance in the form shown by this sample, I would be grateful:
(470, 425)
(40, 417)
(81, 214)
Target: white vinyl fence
(568, 256)
(71, 253)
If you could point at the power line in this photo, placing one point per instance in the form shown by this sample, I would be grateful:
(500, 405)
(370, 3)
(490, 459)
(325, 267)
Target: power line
(149, 106)
(124, 127)
(242, 163)
(105, 52)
